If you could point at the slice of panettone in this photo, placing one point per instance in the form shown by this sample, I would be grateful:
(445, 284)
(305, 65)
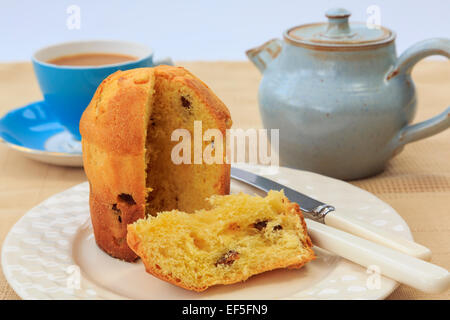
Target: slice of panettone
(240, 236)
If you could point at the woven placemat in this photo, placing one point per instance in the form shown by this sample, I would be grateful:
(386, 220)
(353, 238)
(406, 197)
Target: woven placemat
(416, 183)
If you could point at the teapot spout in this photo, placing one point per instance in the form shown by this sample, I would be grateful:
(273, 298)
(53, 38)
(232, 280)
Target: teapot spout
(264, 54)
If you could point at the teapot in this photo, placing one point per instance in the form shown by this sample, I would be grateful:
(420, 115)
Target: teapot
(341, 98)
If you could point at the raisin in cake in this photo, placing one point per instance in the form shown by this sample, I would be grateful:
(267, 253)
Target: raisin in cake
(126, 139)
(240, 236)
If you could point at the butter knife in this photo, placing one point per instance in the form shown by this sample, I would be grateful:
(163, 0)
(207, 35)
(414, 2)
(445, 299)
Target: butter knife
(331, 216)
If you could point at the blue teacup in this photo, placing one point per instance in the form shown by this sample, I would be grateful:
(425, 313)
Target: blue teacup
(68, 90)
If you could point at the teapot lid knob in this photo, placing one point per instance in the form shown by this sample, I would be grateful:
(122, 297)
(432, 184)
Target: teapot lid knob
(338, 13)
(337, 23)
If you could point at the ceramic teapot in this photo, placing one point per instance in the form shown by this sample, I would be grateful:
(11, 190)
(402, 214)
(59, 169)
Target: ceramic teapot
(341, 97)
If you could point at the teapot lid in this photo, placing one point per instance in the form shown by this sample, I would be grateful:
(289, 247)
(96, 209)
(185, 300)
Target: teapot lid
(339, 33)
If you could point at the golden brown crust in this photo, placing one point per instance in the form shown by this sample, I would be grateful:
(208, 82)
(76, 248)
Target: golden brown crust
(113, 129)
(113, 156)
(135, 244)
(119, 101)
(108, 231)
(295, 207)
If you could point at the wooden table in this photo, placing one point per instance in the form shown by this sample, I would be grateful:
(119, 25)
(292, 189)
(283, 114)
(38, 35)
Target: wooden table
(416, 183)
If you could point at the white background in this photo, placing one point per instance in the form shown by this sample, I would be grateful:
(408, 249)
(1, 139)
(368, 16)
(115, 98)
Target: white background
(200, 29)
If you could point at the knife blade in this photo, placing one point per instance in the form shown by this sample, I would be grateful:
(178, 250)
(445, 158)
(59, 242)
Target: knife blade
(312, 208)
(329, 215)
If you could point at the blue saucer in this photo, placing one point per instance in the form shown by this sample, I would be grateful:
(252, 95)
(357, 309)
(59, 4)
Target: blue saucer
(34, 131)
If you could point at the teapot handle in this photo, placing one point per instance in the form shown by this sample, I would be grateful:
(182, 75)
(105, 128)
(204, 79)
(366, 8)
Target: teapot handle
(404, 65)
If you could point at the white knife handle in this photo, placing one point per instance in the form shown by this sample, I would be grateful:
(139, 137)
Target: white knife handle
(378, 235)
(398, 266)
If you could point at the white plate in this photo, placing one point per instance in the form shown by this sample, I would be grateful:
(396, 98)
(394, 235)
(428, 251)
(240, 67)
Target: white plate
(50, 253)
